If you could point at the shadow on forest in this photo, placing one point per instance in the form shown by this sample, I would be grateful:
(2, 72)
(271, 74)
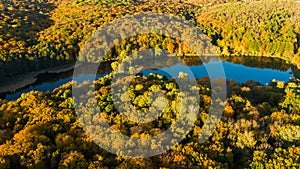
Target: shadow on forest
(20, 23)
(23, 20)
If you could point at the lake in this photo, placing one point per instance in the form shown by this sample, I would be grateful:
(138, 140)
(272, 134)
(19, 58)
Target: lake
(240, 71)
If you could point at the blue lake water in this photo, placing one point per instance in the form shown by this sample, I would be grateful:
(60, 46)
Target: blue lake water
(238, 72)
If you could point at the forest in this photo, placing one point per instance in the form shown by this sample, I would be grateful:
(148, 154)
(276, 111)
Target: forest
(41, 34)
(259, 128)
(260, 124)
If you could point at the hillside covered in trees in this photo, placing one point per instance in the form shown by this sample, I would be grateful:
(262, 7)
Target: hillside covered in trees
(259, 128)
(262, 28)
(260, 125)
(41, 34)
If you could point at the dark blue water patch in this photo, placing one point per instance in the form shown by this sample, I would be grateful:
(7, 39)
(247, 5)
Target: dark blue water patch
(241, 73)
(49, 86)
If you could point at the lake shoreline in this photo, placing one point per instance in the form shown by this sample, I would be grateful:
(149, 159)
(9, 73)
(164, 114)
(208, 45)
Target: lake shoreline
(20, 81)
